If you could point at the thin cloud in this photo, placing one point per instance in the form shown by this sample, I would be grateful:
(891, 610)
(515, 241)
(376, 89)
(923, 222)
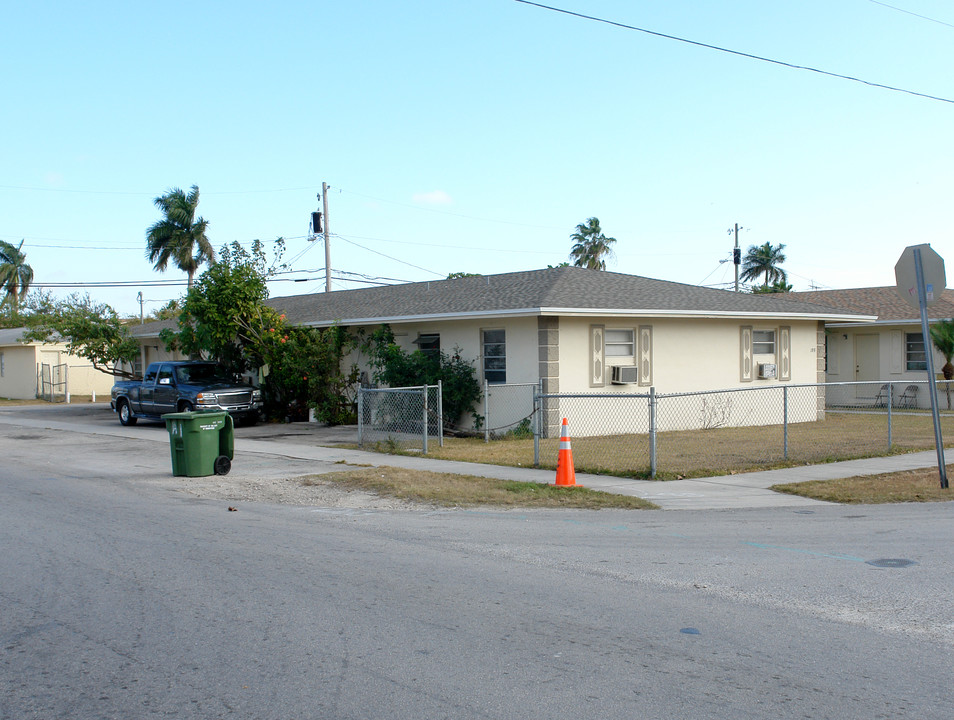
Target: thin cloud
(435, 197)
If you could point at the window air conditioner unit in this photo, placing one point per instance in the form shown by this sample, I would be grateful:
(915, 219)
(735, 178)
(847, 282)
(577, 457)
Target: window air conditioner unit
(625, 374)
(767, 371)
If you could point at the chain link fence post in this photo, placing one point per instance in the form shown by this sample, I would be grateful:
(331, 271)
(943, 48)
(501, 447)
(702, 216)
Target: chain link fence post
(652, 432)
(785, 421)
(890, 404)
(486, 412)
(536, 426)
(424, 428)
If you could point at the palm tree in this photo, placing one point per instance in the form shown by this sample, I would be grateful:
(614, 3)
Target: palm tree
(179, 236)
(15, 274)
(591, 247)
(764, 260)
(942, 333)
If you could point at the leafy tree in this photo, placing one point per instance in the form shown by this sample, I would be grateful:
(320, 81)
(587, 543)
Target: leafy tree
(396, 368)
(779, 286)
(179, 236)
(764, 260)
(942, 333)
(15, 276)
(591, 247)
(169, 311)
(224, 317)
(455, 275)
(229, 295)
(91, 330)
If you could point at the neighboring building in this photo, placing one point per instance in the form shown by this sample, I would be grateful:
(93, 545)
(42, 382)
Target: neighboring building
(24, 365)
(891, 349)
(578, 330)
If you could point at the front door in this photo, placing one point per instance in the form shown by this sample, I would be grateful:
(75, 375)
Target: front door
(867, 363)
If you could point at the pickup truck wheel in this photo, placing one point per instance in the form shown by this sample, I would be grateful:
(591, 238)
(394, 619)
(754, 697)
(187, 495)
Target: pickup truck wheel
(185, 407)
(125, 414)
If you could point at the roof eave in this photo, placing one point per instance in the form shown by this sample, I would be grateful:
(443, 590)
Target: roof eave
(595, 312)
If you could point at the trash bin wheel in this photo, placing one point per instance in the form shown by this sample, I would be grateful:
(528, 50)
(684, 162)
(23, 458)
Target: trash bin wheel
(222, 465)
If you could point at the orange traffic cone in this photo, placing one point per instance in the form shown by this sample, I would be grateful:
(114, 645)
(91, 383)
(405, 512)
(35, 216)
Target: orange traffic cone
(566, 475)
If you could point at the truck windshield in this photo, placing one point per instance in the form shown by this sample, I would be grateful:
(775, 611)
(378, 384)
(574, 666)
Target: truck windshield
(202, 374)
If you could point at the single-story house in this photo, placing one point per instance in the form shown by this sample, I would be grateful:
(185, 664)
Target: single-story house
(890, 349)
(575, 330)
(29, 369)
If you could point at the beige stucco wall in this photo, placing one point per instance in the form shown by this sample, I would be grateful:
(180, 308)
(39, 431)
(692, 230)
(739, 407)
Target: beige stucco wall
(20, 369)
(521, 344)
(844, 347)
(688, 355)
(19, 372)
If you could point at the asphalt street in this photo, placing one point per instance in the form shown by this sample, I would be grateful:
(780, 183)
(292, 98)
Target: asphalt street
(125, 599)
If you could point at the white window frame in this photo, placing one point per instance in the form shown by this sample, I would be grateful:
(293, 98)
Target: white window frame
(422, 338)
(484, 356)
(911, 348)
(617, 346)
(764, 346)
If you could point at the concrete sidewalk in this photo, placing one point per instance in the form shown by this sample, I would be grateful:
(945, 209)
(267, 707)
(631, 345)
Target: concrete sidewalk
(744, 490)
(272, 444)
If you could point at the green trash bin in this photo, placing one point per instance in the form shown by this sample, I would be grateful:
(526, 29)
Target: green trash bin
(202, 443)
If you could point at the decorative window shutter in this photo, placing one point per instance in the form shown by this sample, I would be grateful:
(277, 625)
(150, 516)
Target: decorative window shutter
(784, 354)
(746, 371)
(644, 355)
(597, 356)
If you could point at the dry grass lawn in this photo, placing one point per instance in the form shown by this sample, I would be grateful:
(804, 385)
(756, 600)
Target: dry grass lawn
(721, 451)
(909, 486)
(450, 490)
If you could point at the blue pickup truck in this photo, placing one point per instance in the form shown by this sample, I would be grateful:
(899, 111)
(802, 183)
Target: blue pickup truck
(184, 385)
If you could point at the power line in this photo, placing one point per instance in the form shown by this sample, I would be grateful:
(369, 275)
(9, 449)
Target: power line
(389, 257)
(735, 52)
(908, 12)
(150, 194)
(447, 212)
(482, 248)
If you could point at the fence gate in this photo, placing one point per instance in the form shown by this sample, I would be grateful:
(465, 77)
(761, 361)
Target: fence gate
(400, 418)
(53, 382)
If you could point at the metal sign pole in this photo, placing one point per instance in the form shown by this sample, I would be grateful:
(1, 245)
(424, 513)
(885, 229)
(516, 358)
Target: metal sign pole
(929, 356)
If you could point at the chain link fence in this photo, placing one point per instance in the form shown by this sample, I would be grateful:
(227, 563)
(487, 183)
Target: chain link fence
(400, 419)
(724, 431)
(508, 410)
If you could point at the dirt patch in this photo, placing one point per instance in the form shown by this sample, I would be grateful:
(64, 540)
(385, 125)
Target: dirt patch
(306, 490)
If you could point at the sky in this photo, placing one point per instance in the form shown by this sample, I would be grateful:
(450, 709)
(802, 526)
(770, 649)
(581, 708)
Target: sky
(474, 135)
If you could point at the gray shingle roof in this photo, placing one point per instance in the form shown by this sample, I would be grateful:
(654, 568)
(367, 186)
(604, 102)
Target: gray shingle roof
(565, 289)
(533, 291)
(11, 336)
(884, 302)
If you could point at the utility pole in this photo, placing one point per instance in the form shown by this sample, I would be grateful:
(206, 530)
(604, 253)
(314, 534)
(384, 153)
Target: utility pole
(736, 256)
(139, 298)
(324, 200)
